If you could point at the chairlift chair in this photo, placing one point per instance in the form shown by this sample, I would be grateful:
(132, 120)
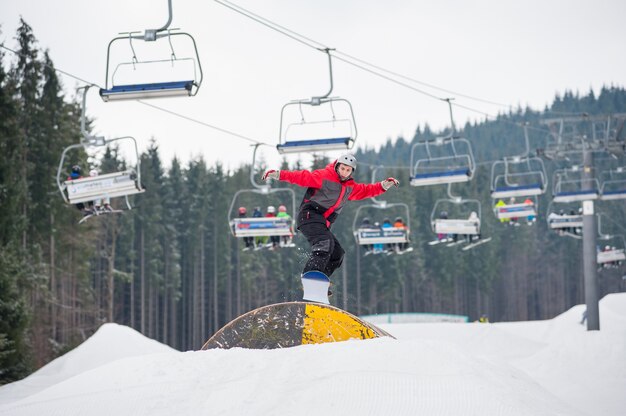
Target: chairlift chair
(567, 189)
(518, 176)
(367, 236)
(569, 223)
(614, 187)
(529, 181)
(371, 235)
(110, 185)
(310, 125)
(261, 226)
(468, 226)
(453, 162)
(613, 254)
(181, 76)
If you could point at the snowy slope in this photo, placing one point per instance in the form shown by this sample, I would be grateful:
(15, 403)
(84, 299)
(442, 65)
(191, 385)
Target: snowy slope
(552, 367)
(110, 342)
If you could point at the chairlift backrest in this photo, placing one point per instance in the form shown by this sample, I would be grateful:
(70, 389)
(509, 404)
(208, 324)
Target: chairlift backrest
(467, 224)
(529, 179)
(111, 185)
(515, 210)
(611, 256)
(370, 234)
(558, 221)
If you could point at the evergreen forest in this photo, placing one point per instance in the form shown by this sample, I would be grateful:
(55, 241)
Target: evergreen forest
(171, 269)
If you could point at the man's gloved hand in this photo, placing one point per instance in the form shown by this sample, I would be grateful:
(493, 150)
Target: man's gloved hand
(271, 174)
(389, 182)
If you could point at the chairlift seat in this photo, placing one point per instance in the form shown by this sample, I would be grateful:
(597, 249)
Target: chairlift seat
(574, 196)
(611, 256)
(435, 178)
(517, 191)
(296, 146)
(557, 221)
(390, 235)
(154, 90)
(261, 227)
(457, 226)
(515, 211)
(613, 195)
(110, 185)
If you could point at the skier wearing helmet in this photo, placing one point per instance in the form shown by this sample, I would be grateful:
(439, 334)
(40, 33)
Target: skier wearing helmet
(76, 174)
(274, 239)
(327, 192)
(282, 213)
(248, 241)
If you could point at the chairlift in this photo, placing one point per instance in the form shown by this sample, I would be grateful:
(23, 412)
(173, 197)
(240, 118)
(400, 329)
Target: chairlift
(156, 77)
(258, 227)
(519, 176)
(317, 124)
(611, 255)
(110, 185)
(452, 228)
(568, 221)
(371, 236)
(571, 189)
(444, 160)
(614, 187)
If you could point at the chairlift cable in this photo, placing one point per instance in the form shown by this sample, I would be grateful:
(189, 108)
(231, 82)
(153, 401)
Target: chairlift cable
(274, 26)
(312, 44)
(202, 123)
(54, 68)
(422, 82)
(93, 84)
(378, 74)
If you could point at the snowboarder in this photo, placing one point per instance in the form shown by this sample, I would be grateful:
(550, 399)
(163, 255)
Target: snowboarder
(327, 192)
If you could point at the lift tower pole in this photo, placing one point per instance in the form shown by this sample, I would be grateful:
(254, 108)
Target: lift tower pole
(590, 237)
(583, 135)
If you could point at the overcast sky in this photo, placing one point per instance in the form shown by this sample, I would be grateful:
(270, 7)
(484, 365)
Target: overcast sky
(508, 52)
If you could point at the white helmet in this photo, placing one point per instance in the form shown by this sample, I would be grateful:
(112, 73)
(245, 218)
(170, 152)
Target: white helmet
(93, 173)
(347, 159)
(271, 209)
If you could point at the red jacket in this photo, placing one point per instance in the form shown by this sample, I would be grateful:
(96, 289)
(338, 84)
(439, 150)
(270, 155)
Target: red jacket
(327, 193)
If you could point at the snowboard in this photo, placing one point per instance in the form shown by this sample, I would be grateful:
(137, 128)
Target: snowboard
(315, 285)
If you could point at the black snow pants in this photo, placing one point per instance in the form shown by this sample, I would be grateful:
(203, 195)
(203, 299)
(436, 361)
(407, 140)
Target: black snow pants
(326, 252)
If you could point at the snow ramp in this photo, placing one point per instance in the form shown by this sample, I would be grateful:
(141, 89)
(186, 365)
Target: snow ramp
(289, 324)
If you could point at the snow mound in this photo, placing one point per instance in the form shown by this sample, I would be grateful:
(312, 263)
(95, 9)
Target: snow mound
(552, 367)
(109, 343)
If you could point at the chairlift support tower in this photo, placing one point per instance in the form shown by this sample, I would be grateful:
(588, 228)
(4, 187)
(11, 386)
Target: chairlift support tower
(567, 138)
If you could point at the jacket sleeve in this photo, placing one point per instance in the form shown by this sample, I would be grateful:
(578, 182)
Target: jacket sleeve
(363, 191)
(303, 177)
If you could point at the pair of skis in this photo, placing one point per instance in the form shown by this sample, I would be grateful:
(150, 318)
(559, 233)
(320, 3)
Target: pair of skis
(96, 213)
(449, 242)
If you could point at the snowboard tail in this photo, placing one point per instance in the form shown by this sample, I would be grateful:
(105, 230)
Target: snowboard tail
(315, 285)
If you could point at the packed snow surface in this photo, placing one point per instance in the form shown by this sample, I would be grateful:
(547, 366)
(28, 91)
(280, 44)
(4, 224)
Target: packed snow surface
(552, 367)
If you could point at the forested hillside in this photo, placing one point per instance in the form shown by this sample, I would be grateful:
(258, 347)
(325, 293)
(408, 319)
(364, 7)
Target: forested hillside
(171, 269)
